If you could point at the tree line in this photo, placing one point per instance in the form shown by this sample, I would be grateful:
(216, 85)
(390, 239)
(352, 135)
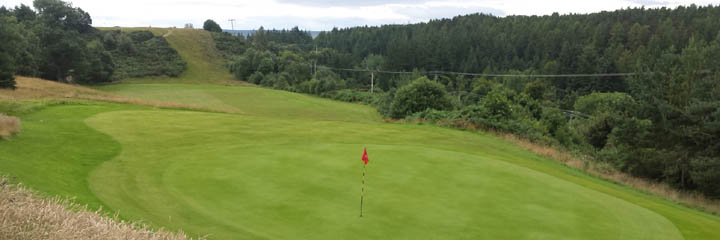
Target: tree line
(662, 123)
(54, 40)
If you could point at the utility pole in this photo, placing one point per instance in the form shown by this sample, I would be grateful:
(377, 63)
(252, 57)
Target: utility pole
(372, 81)
(232, 24)
(315, 63)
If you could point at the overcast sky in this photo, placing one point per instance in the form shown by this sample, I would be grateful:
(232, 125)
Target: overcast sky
(326, 14)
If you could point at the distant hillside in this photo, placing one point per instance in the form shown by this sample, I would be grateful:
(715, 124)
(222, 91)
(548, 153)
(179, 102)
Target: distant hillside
(197, 48)
(251, 32)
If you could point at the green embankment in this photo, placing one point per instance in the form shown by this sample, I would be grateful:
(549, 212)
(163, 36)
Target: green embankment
(196, 47)
(287, 166)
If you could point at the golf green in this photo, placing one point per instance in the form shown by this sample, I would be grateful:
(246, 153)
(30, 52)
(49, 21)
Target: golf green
(287, 166)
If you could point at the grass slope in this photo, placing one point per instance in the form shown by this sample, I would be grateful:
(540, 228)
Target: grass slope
(196, 47)
(58, 150)
(248, 100)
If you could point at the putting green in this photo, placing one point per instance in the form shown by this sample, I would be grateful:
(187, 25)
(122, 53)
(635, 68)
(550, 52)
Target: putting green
(237, 176)
(287, 166)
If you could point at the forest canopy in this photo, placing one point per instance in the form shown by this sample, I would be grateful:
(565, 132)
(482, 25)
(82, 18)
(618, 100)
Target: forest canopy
(55, 40)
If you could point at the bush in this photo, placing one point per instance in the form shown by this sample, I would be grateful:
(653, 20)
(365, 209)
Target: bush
(436, 116)
(252, 61)
(276, 80)
(211, 26)
(8, 125)
(229, 45)
(498, 104)
(418, 96)
(140, 36)
(256, 78)
(706, 175)
(140, 54)
(597, 103)
(348, 95)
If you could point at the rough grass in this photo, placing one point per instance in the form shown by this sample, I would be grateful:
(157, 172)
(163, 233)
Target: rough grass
(26, 215)
(8, 125)
(35, 89)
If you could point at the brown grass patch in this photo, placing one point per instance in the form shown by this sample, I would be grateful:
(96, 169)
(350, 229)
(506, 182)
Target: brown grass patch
(24, 215)
(39, 89)
(8, 125)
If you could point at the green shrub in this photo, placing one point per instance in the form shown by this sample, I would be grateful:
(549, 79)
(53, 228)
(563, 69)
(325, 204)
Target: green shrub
(141, 54)
(706, 175)
(435, 116)
(140, 36)
(229, 45)
(418, 96)
(211, 26)
(256, 78)
(348, 95)
(597, 103)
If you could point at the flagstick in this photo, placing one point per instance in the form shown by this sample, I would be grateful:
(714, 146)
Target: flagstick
(362, 191)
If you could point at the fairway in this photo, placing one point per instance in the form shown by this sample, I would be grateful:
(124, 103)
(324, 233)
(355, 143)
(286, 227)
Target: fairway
(286, 166)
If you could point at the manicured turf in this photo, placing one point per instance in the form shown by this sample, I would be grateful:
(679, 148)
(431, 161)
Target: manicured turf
(249, 101)
(288, 166)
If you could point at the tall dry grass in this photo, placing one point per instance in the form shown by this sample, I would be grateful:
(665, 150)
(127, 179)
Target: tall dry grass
(9, 125)
(24, 215)
(39, 89)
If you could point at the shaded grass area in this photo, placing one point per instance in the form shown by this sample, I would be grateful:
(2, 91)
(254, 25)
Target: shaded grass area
(58, 151)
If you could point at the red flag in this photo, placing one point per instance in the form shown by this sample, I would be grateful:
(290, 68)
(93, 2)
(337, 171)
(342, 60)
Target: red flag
(365, 157)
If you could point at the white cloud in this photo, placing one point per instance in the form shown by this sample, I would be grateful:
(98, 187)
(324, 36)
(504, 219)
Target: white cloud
(325, 14)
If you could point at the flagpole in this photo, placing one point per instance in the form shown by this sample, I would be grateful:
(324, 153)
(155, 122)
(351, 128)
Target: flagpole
(362, 191)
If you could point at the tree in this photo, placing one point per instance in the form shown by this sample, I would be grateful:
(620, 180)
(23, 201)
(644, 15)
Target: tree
(211, 26)
(9, 38)
(418, 96)
(61, 35)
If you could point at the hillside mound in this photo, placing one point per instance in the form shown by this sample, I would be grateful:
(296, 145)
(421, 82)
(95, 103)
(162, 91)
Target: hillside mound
(205, 63)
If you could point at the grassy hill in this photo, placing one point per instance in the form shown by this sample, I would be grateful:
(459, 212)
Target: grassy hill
(196, 47)
(270, 164)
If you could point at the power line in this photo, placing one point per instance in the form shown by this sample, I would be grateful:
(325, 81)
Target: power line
(489, 74)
